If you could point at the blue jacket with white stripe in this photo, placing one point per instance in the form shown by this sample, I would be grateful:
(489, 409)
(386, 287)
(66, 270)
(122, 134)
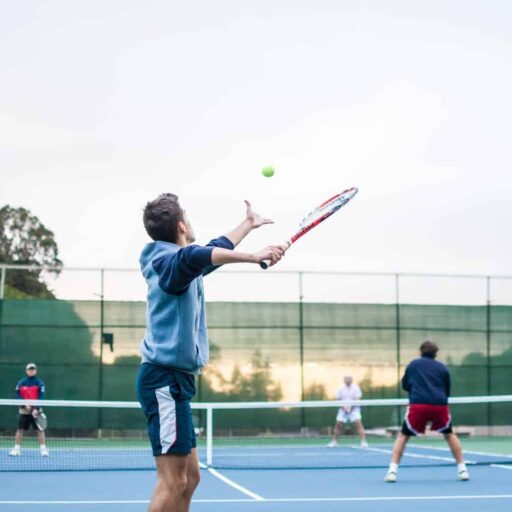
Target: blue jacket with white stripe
(176, 335)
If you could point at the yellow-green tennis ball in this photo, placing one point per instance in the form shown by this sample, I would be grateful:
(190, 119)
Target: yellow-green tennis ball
(268, 171)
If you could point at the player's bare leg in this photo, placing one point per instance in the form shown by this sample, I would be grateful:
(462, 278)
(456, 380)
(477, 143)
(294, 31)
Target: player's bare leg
(336, 434)
(41, 437)
(456, 449)
(16, 451)
(18, 437)
(193, 477)
(360, 430)
(42, 443)
(398, 450)
(171, 484)
(399, 447)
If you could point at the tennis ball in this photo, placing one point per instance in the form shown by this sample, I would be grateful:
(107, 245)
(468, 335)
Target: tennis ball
(268, 171)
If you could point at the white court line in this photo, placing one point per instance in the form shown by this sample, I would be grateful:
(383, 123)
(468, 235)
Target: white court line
(501, 466)
(413, 455)
(233, 484)
(450, 459)
(77, 502)
(274, 500)
(486, 454)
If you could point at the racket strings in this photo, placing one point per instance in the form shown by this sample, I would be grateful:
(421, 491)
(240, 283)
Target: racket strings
(328, 208)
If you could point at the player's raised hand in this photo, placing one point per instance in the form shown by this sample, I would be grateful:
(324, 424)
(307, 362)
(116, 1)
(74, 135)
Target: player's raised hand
(254, 218)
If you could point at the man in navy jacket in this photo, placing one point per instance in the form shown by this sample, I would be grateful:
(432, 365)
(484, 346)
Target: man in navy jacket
(428, 383)
(29, 388)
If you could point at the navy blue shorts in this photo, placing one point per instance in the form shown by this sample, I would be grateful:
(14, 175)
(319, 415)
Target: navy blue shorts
(165, 398)
(25, 421)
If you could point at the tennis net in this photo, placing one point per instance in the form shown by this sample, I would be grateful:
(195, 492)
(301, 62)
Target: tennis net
(98, 436)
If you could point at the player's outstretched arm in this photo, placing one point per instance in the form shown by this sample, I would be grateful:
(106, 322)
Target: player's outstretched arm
(252, 221)
(272, 253)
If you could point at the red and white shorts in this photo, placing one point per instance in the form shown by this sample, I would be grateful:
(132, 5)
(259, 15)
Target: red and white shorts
(418, 416)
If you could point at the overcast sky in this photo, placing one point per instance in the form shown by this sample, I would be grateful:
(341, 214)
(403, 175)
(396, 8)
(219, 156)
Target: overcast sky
(105, 104)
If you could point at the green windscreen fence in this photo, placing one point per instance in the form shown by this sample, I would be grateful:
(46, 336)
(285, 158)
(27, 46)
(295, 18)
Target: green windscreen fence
(259, 350)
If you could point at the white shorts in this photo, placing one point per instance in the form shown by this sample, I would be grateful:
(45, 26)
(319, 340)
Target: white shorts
(348, 417)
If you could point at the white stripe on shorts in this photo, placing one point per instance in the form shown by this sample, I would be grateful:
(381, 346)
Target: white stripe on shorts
(167, 414)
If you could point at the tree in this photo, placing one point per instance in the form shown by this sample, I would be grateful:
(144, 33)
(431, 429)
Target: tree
(315, 392)
(24, 240)
(256, 384)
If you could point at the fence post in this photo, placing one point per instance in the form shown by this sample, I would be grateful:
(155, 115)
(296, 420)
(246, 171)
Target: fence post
(100, 373)
(301, 350)
(488, 346)
(397, 341)
(2, 284)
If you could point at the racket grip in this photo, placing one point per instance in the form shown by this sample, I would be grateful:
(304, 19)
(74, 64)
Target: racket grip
(264, 264)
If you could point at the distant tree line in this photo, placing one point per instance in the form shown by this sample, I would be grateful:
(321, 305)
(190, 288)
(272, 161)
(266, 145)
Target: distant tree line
(25, 240)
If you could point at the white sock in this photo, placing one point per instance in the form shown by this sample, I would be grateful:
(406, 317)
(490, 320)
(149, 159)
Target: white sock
(42, 447)
(17, 447)
(461, 467)
(393, 467)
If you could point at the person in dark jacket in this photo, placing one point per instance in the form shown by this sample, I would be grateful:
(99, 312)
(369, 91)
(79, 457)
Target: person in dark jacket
(29, 388)
(427, 382)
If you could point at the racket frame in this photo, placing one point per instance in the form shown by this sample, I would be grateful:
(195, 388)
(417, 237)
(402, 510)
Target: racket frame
(306, 227)
(41, 421)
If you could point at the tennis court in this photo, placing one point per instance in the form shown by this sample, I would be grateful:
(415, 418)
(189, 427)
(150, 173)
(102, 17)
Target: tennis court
(265, 472)
(266, 490)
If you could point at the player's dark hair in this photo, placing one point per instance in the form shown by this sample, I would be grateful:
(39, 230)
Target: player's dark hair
(429, 349)
(161, 217)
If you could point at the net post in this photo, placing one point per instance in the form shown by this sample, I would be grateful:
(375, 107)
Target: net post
(209, 436)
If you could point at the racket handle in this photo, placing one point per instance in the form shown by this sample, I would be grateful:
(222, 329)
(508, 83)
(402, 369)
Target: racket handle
(264, 264)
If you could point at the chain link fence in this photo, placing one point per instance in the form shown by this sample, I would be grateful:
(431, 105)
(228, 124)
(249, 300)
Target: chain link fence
(274, 334)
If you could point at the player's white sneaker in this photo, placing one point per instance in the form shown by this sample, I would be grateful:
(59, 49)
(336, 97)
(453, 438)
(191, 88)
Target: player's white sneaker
(364, 444)
(332, 444)
(15, 452)
(463, 475)
(44, 452)
(390, 477)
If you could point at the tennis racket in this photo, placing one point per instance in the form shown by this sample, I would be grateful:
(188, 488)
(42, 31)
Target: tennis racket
(41, 420)
(318, 215)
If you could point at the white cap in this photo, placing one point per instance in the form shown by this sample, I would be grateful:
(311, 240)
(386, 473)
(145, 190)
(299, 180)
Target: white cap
(31, 366)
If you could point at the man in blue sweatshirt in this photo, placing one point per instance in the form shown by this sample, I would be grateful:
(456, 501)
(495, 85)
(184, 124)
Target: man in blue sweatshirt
(428, 383)
(175, 344)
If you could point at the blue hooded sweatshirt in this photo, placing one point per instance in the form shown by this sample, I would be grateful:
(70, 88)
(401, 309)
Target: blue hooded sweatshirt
(176, 335)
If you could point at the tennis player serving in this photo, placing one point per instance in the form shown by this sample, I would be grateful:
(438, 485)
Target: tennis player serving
(175, 344)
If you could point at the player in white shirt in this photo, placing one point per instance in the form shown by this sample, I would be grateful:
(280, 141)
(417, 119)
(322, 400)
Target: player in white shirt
(349, 414)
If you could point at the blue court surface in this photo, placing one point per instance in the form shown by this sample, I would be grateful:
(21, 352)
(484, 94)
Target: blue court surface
(421, 489)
